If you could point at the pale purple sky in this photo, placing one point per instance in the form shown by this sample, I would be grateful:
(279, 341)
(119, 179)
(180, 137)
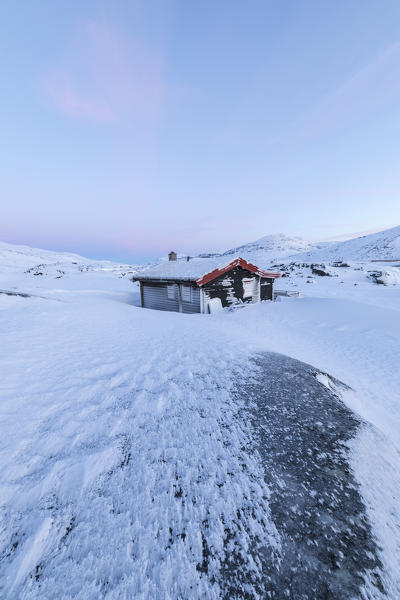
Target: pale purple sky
(131, 128)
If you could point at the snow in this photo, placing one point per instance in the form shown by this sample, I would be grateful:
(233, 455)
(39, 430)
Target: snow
(379, 478)
(272, 247)
(91, 383)
(382, 245)
(83, 380)
(16, 258)
(387, 276)
(186, 270)
(95, 383)
(280, 247)
(351, 331)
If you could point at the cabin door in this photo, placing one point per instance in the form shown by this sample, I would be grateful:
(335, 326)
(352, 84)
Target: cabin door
(266, 290)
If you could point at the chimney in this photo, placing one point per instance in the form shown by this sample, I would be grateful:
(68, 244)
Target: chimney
(172, 256)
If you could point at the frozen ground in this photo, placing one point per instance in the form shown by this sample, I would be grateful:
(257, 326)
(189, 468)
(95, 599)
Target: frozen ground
(132, 464)
(327, 549)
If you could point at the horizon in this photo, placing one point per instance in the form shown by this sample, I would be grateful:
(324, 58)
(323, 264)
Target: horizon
(132, 128)
(141, 259)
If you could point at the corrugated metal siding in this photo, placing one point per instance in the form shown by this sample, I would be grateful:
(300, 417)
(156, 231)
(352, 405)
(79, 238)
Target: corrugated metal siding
(156, 296)
(194, 305)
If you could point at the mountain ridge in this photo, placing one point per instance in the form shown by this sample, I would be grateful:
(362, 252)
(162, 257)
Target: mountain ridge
(274, 248)
(382, 245)
(269, 249)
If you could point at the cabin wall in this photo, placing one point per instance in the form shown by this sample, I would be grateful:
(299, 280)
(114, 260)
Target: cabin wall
(266, 288)
(194, 305)
(155, 295)
(229, 287)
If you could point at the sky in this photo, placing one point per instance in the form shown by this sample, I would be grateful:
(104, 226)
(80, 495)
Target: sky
(132, 128)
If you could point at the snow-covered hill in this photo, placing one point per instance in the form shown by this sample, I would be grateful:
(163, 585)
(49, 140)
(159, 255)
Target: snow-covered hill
(270, 248)
(20, 258)
(375, 246)
(383, 245)
(26, 269)
(275, 245)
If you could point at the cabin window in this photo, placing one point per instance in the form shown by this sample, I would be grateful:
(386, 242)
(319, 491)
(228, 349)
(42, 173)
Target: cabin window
(186, 293)
(171, 292)
(248, 287)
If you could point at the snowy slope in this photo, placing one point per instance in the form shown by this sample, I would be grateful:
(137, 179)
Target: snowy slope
(275, 245)
(280, 247)
(31, 270)
(269, 248)
(13, 257)
(382, 245)
(123, 462)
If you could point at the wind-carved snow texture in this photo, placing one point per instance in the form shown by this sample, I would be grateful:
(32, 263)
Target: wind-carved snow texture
(105, 407)
(327, 547)
(178, 508)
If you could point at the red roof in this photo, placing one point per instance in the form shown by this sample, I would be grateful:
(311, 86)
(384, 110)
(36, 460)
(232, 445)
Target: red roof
(237, 262)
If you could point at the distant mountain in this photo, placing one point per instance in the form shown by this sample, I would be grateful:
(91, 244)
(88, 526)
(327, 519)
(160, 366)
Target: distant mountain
(269, 249)
(375, 246)
(275, 245)
(14, 256)
(34, 261)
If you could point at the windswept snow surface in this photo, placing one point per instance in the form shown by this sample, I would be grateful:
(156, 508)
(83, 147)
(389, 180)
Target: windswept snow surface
(125, 471)
(352, 332)
(95, 388)
(128, 468)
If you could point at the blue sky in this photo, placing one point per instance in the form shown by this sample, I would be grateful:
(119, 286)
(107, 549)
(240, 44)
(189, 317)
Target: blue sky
(131, 128)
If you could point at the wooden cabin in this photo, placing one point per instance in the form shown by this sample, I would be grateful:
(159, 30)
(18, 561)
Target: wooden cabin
(200, 285)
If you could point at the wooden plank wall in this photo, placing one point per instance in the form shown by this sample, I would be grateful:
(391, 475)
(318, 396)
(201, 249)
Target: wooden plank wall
(229, 287)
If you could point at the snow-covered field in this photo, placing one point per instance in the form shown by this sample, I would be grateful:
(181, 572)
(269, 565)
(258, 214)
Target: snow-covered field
(93, 387)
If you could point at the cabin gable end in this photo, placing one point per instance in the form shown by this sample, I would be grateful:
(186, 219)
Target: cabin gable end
(231, 286)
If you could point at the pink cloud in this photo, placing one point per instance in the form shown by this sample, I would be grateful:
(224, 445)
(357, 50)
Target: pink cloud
(69, 100)
(106, 76)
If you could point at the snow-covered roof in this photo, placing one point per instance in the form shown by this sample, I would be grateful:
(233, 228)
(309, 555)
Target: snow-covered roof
(200, 270)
